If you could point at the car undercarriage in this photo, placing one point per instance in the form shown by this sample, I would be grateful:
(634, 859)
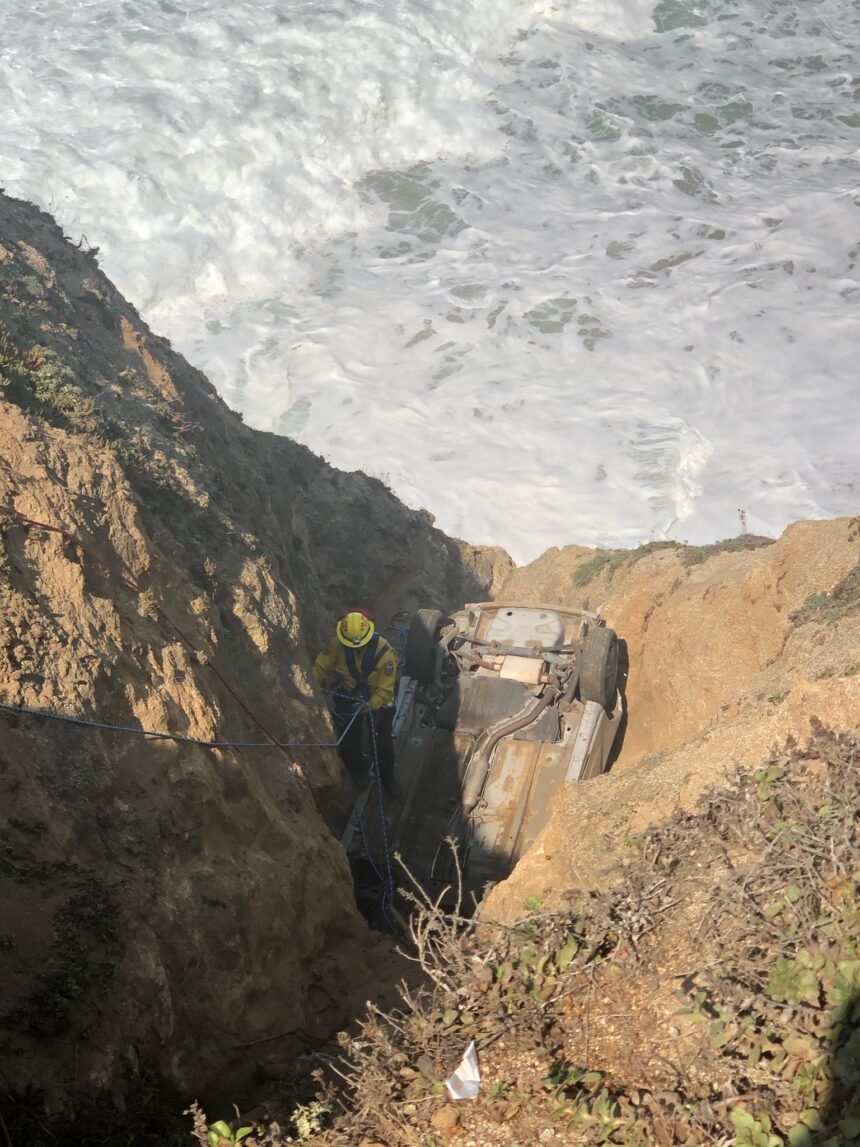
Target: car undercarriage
(498, 707)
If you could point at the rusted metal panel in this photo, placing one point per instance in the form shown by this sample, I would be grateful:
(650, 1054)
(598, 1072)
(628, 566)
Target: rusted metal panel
(496, 822)
(432, 768)
(586, 735)
(523, 781)
(526, 670)
(475, 703)
(483, 751)
(603, 742)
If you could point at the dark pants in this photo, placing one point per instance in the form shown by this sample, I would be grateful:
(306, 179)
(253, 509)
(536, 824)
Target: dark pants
(357, 747)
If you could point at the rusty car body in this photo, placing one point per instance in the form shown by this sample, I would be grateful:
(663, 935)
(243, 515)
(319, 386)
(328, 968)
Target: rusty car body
(498, 706)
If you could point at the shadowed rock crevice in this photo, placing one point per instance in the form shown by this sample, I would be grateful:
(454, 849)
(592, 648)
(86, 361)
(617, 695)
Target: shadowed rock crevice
(168, 909)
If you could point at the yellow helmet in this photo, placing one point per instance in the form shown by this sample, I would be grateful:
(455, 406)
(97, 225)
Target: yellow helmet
(354, 630)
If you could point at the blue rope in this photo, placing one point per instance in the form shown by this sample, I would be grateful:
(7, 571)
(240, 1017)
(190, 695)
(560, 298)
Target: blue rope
(177, 737)
(369, 855)
(385, 878)
(342, 696)
(388, 894)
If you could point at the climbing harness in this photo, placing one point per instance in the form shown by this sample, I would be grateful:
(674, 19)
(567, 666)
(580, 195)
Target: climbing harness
(371, 655)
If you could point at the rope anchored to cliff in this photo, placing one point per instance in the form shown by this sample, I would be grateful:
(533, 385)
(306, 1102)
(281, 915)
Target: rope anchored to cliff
(121, 575)
(129, 582)
(154, 734)
(387, 897)
(384, 874)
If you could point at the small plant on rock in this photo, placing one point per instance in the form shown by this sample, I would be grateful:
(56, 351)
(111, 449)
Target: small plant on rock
(220, 1134)
(310, 1118)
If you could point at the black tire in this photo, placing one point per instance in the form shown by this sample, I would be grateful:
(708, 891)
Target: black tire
(598, 675)
(420, 660)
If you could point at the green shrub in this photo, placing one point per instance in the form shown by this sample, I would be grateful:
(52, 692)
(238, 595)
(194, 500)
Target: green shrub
(589, 570)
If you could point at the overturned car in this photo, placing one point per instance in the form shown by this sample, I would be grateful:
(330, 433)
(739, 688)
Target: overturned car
(498, 706)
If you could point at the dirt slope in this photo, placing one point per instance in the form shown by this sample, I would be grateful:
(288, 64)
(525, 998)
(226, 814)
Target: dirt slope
(675, 960)
(178, 920)
(731, 651)
(710, 999)
(166, 908)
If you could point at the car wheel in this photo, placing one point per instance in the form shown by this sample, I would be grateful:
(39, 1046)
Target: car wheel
(420, 660)
(599, 671)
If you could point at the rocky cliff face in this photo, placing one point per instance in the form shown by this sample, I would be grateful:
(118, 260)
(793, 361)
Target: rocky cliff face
(181, 915)
(167, 908)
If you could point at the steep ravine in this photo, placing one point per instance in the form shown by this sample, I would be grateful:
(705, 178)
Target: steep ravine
(732, 648)
(175, 920)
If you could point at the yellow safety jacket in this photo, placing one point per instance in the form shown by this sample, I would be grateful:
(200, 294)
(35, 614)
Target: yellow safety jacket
(370, 670)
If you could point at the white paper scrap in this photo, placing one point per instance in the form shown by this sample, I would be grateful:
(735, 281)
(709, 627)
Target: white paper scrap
(465, 1082)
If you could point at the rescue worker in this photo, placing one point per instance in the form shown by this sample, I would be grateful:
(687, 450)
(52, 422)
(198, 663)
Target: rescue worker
(361, 667)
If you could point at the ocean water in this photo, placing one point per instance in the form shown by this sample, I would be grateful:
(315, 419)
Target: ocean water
(576, 271)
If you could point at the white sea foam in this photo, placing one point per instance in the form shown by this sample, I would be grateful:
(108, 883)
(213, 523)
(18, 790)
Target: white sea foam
(582, 270)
